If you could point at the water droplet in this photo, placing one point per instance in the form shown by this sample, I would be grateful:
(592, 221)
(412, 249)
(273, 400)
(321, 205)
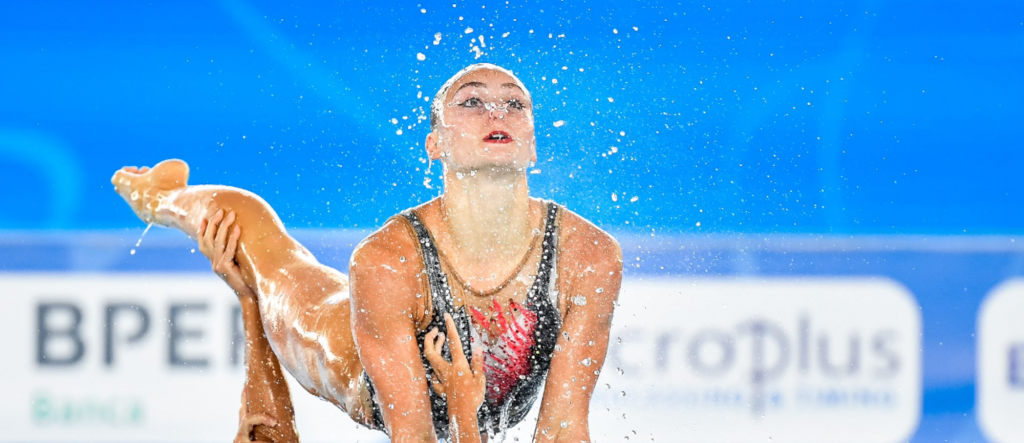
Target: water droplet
(143, 234)
(420, 56)
(579, 300)
(615, 31)
(621, 372)
(599, 290)
(132, 252)
(559, 123)
(469, 30)
(564, 424)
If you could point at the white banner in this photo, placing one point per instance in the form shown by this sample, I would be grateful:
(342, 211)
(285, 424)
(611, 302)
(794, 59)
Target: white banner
(1001, 363)
(762, 360)
(157, 357)
(132, 358)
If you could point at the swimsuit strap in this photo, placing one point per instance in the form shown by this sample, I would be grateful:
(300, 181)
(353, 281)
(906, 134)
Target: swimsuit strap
(546, 269)
(441, 302)
(440, 291)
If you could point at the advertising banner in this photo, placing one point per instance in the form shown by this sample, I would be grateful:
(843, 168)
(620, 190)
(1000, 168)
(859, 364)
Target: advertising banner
(1001, 363)
(762, 359)
(159, 357)
(133, 358)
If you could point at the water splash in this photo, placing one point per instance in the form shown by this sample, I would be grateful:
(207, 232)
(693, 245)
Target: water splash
(132, 252)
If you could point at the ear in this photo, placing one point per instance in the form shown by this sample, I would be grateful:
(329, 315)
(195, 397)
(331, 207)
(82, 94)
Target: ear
(433, 148)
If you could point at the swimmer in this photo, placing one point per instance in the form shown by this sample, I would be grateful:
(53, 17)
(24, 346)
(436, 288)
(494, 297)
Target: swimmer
(455, 313)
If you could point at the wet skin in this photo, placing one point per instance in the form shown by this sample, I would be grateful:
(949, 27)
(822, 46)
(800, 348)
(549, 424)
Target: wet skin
(311, 317)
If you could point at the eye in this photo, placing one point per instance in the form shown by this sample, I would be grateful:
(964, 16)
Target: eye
(516, 104)
(472, 102)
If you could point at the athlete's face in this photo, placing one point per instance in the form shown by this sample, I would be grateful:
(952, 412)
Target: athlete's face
(486, 122)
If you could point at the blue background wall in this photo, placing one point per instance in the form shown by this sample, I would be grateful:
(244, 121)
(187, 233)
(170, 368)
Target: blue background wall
(810, 117)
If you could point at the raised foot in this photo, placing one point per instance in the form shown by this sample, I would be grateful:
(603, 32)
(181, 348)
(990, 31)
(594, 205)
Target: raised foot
(144, 188)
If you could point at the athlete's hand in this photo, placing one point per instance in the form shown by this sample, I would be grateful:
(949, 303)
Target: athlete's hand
(218, 241)
(247, 423)
(462, 384)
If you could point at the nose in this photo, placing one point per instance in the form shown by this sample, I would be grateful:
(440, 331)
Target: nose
(491, 107)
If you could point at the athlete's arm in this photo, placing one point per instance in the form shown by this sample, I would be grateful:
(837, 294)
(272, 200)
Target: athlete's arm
(266, 411)
(385, 278)
(590, 274)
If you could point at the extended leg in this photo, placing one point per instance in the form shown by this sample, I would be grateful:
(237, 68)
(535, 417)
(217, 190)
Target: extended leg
(161, 196)
(303, 310)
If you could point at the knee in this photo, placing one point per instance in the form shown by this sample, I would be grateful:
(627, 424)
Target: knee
(244, 203)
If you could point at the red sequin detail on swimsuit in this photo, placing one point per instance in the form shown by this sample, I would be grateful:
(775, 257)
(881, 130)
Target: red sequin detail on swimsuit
(507, 335)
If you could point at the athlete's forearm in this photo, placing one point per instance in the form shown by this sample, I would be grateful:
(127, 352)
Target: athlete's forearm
(462, 424)
(266, 390)
(262, 366)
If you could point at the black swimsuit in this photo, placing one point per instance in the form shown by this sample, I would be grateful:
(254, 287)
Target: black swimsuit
(500, 410)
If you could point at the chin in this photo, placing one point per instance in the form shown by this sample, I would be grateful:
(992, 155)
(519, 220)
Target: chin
(494, 165)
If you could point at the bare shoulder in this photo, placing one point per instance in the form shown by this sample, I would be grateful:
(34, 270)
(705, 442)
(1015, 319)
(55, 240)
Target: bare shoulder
(393, 241)
(385, 268)
(582, 243)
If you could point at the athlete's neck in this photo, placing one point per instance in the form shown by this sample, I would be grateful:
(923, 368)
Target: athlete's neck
(487, 212)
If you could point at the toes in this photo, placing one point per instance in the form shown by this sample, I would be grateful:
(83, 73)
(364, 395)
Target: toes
(144, 169)
(120, 178)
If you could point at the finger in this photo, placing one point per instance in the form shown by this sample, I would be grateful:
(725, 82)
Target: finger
(455, 344)
(211, 227)
(202, 228)
(478, 360)
(253, 420)
(436, 385)
(220, 241)
(428, 340)
(430, 351)
(437, 362)
(439, 344)
(232, 246)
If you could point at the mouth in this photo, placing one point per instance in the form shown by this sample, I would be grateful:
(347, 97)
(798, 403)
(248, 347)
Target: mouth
(498, 137)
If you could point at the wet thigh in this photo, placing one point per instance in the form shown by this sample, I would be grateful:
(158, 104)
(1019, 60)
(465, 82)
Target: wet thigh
(307, 318)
